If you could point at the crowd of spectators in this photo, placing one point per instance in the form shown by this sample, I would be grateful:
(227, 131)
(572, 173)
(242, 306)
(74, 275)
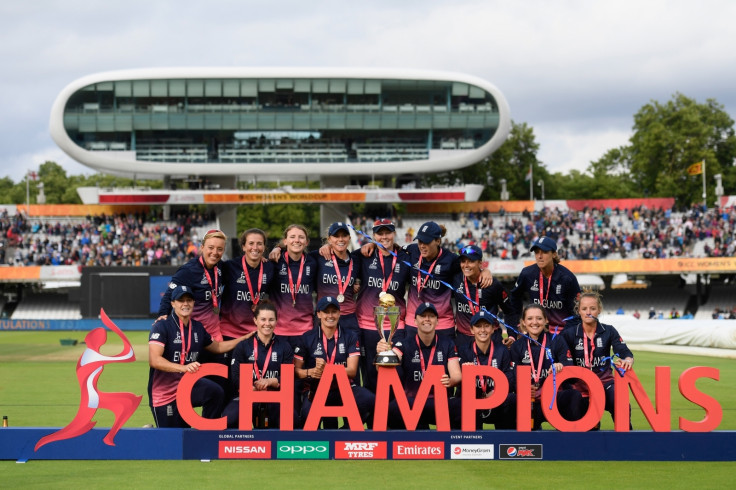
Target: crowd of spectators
(599, 234)
(105, 240)
(137, 239)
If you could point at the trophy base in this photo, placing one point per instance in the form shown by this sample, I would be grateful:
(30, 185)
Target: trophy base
(387, 359)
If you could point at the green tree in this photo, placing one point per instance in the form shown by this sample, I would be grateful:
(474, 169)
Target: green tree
(510, 162)
(670, 137)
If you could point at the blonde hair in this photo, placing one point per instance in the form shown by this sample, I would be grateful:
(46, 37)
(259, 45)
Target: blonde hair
(589, 293)
(298, 227)
(213, 234)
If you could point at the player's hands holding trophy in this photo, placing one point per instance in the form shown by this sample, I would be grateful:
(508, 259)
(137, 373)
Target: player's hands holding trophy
(386, 309)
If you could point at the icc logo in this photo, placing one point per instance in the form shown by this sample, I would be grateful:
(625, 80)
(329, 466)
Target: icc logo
(89, 368)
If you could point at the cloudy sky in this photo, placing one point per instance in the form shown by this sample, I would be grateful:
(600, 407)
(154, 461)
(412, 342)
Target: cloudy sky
(576, 71)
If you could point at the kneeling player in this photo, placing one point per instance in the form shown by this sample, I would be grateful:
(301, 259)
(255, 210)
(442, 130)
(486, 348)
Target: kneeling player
(330, 344)
(484, 352)
(267, 352)
(174, 347)
(417, 353)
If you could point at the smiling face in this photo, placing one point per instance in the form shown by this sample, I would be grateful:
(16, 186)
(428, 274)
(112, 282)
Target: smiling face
(295, 241)
(329, 317)
(339, 242)
(253, 248)
(265, 323)
(470, 268)
(212, 250)
(426, 322)
(385, 237)
(482, 331)
(429, 251)
(183, 306)
(534, 322)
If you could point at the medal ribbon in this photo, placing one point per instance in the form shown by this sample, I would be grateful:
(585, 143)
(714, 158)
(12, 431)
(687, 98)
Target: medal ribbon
(341, 288)
(588, 360)
(184, 348)
(255, 358)
(329, 359)
(386, 281)
(209, 281)
(421, 356)
(254, 298)
(535, 374)
(420, 283)
(490, 361)
(291, 279)
(474, 305)
(542, 299)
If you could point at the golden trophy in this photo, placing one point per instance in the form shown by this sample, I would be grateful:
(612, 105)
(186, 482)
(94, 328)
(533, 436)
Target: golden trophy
(386, 309)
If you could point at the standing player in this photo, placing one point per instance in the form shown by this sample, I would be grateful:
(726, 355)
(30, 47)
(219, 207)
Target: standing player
(483, 351)
(417, 353)
(246, 280)
(294, 282)
(531, 352)
(547, 283)
(267, 352)
(174, 348)
(591, 344)
(330, 344)
(469, 297)
(337, 275)
(203, 278)
(383, 272)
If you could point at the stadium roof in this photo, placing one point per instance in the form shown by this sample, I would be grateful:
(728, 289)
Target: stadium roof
(278, 121)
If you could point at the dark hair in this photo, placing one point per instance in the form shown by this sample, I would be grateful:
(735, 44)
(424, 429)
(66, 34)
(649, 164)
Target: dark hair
(533, 306)
(251, 231)
(265, 305)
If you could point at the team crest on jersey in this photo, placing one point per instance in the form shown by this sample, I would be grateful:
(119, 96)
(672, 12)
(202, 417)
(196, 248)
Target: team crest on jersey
(397, 268)
(307, 270)
(526, 359)
(374, 264)
(241, 279)
(283, 272)
(494, 363)
(580, 345)
(416, 357)
(558, 289)
(318, 350)
(535, 286)
(196, 338)
(204, 279)
(437, 268)
(599, 342)
(341, 348)
(274, 357)
(440, 357)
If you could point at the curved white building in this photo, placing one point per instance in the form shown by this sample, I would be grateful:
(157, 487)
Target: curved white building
(224, 122)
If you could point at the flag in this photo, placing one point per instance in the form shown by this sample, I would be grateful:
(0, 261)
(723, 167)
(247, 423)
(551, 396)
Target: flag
(32, 175)
(528, 175)
(696, 168)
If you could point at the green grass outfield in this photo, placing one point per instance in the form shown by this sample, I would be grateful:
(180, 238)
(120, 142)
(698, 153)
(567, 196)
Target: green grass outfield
(38, 388)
